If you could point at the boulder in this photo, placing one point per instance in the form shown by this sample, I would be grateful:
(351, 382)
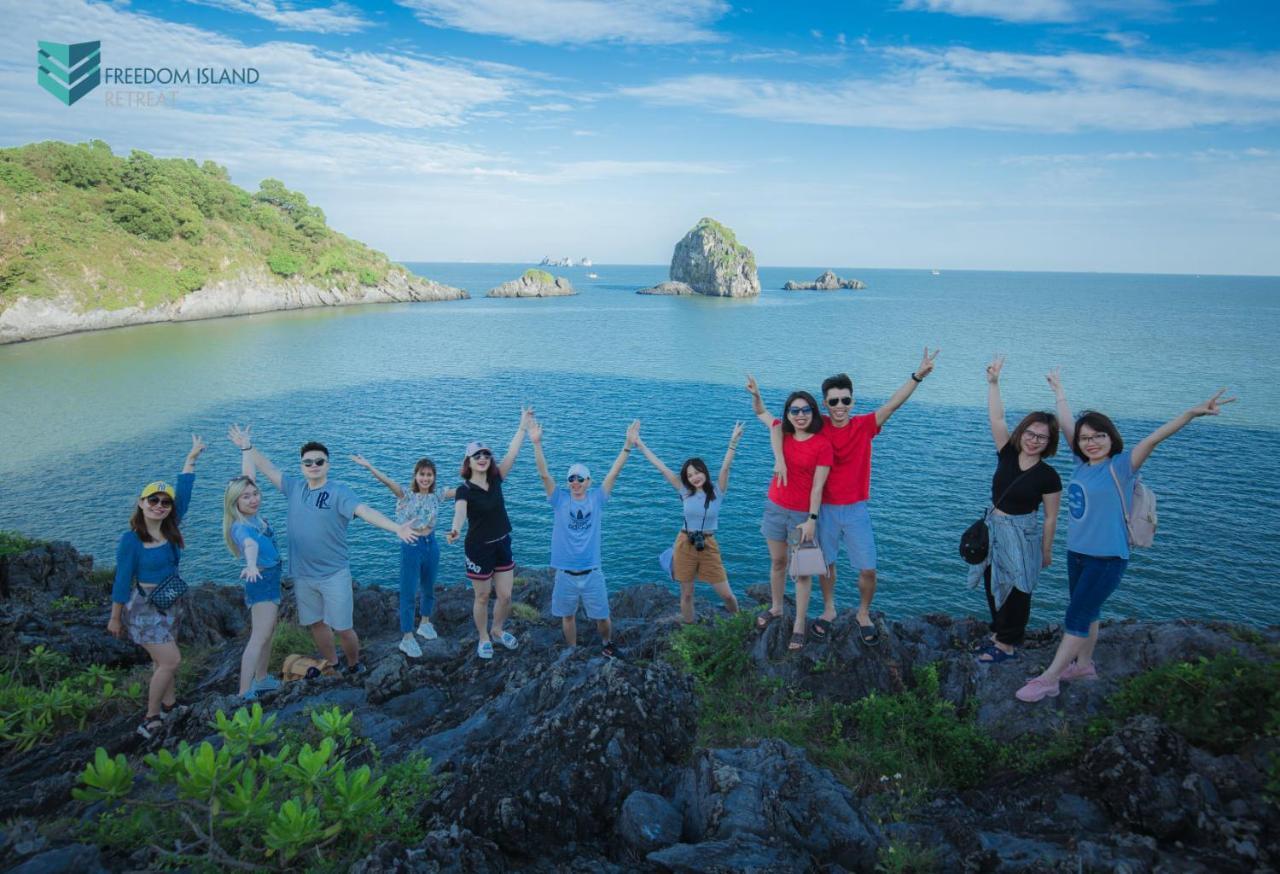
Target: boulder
(711, 261)
(534, 283)
(740, 854)
(828, 281)
(648, 822)
(669, 288)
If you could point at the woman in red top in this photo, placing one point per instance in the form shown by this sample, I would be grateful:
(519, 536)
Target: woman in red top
(793, 501)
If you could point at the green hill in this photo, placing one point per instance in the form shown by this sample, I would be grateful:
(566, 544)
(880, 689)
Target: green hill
(83, 225)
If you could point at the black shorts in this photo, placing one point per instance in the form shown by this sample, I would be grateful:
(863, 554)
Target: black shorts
(486, 559)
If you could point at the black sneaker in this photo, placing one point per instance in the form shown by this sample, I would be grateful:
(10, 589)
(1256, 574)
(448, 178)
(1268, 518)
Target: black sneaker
(150, 727)
(609, 651)
(356, 670)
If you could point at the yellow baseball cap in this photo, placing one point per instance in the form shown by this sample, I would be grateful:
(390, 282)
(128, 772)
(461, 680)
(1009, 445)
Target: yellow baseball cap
(157, 487)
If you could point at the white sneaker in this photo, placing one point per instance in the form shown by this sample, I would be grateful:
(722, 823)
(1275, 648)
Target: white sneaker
(410, 647)
(427, 631)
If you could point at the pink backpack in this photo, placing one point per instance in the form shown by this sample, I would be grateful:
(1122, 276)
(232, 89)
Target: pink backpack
(1140, 520)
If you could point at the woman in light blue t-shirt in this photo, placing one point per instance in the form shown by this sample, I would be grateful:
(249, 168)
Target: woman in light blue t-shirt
(1098, 498)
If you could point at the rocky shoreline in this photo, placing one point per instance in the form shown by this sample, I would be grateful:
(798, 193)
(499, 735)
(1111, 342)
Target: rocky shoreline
(254, 292)
(550, 759)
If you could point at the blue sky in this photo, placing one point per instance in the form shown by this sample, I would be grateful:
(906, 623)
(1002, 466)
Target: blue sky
(1127, 135)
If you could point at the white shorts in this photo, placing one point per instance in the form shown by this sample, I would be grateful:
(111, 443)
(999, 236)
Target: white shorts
(326, 599)
(588, 588)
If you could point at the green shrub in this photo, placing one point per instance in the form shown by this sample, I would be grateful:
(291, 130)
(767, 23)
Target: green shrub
(526, 612)
(907, 858)
(42, 698)
(141, 214)
(87, 165)
(255, 800)
(369, 276)
(190, 279)
(1219, 704)
(284, 263)
(72, 604)
(14, 542)
(288, 639)
(18, 178)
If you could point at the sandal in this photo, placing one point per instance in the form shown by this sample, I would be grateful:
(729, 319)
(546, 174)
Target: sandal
(870, 634)
(764, 618)
(820, 628)
(994, 655)
(797, 641)
(150, 727)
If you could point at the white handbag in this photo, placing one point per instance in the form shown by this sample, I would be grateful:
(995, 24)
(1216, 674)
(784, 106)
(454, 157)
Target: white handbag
(807, 560)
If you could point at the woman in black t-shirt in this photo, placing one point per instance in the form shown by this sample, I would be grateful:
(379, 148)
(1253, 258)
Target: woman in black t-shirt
(1021, 545)
(490, 566)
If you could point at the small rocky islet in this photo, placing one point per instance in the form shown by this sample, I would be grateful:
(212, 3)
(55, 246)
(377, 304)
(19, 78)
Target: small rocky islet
(557, 759)
(709, 261)
(534, 283)
(827, 281)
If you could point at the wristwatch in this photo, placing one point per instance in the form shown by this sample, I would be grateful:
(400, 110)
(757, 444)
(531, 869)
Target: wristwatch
(813, 517)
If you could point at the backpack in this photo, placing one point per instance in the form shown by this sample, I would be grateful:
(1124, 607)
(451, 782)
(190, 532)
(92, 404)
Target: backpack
(300, 667)
(1140, 520)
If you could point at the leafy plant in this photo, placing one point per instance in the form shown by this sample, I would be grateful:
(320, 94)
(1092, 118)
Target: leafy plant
(72, 604)
(105, 778)
(12, 543)
(42, 698)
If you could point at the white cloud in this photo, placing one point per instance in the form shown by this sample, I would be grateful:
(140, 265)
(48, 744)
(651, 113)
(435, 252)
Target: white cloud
(656, 22)
(550, 107)
(963, 88)
(337, 18)
(1027, 11)
(1080, 158)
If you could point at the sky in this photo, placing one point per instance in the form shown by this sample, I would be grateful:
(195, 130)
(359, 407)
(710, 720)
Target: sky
(1090, 135)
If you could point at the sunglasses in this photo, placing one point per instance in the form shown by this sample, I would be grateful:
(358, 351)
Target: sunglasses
(314, 462)
(159, 501)
(483, 453)
(806, 410)
(839, 402)
(577, 479)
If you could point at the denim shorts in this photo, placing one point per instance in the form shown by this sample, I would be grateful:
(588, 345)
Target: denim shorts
(779, 522)
(849, 524)
(588, 588)
(267, 587)
(1091, 579)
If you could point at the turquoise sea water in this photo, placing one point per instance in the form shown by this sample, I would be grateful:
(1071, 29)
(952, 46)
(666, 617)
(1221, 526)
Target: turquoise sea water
(87, 419)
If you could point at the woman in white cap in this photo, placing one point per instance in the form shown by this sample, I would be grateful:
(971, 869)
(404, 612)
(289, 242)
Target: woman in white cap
(478, 500)
(146, 556)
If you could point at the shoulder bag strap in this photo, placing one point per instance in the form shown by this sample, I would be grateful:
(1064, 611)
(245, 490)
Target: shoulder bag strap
(1016, 479)
(1124, 507)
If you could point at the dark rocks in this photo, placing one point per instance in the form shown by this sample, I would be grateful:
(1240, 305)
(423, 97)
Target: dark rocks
(740, 854)
(676, 289)
(534, 283)
(81, 858)
(648, 822)
(773, 792)
(49, 571)
(828, 281)
(712, 262)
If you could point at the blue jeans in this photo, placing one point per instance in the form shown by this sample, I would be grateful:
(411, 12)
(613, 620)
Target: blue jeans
(418, 564)
(1091, 579)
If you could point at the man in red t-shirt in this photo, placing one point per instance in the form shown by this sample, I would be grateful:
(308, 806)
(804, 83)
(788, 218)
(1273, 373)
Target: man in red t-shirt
(844, 517)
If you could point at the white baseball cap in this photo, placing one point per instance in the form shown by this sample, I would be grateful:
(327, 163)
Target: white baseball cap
(475, 446)
(579, 470)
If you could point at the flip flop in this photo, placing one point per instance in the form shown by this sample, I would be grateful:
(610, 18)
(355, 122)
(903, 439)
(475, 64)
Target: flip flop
(995, 655)
(797, 641)
(820, 628)
(764, 618)
(869, 633)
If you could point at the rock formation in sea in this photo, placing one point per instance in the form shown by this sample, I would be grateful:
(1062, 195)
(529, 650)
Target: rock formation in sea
(534, 283)
(556, 759)
(828, 281)
(670, 288)
(712, 262)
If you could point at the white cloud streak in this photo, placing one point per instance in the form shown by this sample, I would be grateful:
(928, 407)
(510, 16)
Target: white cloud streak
(1037, 11)
(336, 18)
(645, 22)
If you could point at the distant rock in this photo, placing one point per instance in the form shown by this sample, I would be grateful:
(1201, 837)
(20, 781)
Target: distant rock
(534, 283)
(670, 288)
(828, 281)
(711, 261)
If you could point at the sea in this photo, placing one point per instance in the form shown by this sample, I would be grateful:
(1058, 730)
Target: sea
(86, 420)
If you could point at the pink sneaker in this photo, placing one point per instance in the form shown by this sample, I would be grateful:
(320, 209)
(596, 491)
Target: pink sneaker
(1075, 672)
(1036, 689)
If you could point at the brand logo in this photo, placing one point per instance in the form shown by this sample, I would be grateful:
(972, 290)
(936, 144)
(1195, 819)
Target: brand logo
(1076, 500)
(68, 71)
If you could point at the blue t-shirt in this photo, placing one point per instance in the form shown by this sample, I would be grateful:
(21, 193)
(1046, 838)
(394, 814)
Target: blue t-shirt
(575, 533)
(135, 561)
(318, 526)
(1096, 524)
(698, 514)
(258, 530)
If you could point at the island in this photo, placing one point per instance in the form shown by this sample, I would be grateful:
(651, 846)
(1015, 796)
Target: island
(828, 281)
(534, 283)
(710, 261)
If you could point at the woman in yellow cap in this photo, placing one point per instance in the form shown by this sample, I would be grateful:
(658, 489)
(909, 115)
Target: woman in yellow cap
(148, 555)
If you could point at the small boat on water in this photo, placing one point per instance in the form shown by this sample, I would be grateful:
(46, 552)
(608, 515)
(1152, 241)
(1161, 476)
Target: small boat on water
(593, 276)
(937, 273)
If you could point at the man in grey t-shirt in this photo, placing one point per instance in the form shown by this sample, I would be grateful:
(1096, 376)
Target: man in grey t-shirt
(319, 511)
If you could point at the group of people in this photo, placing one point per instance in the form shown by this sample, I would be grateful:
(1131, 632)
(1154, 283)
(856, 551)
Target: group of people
(818, 496)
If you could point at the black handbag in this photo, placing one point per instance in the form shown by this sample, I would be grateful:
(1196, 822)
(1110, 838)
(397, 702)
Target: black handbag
(169, 590)
(975, 542)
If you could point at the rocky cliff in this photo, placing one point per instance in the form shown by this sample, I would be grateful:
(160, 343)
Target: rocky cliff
(712, 262)
(534, 283)
(554, 759)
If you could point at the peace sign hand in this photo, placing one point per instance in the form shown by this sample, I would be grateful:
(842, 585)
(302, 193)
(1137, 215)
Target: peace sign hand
(994, 368)
(751, 385)
(926, 363)
(1213, 406)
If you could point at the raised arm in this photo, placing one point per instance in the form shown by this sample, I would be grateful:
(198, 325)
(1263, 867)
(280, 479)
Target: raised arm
(757, 403)
(535, 437)
(662, 468)
(197, 447)
(995, 406)
(722, 482)
(242, 439)
(1065, 421)
(908, 388)
(459, 516)
(513, 448)
(405, 532)
(396, 488)
(633, 434)
(1211, 407)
